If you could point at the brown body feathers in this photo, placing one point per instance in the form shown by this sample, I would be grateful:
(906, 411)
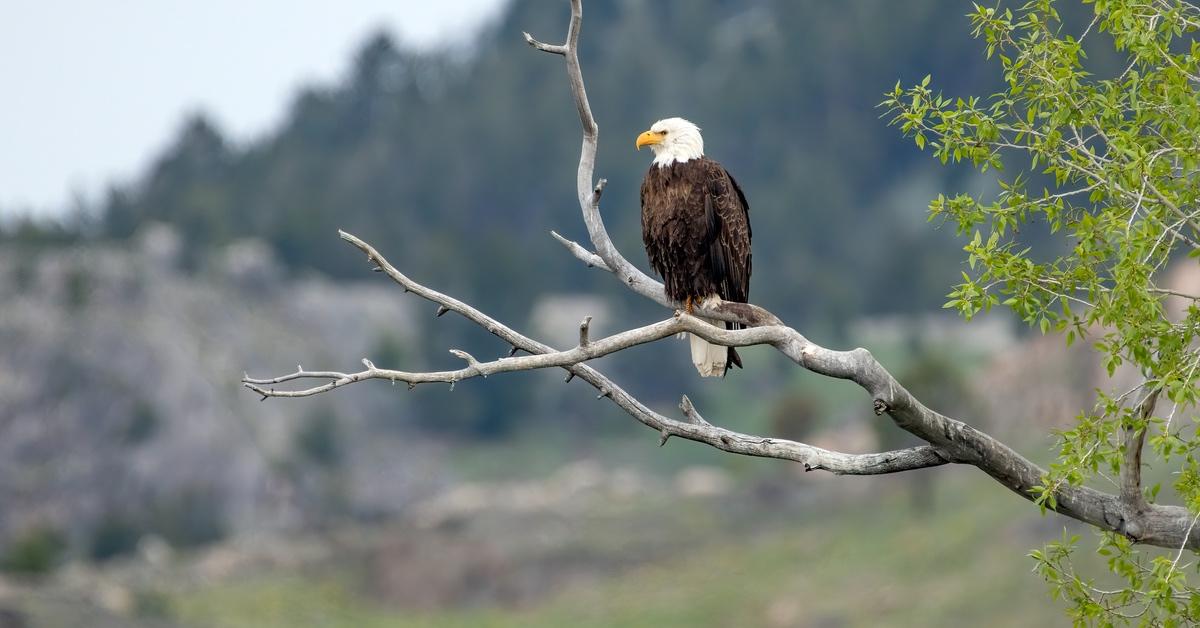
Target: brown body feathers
(696, 228)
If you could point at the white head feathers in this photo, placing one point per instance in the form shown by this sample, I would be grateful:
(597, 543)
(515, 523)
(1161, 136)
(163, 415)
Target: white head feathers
(679, 141)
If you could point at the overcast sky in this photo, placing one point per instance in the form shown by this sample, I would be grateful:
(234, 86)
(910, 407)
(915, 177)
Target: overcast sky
(91, 91)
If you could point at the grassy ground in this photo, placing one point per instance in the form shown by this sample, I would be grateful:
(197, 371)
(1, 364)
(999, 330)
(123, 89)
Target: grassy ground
(869, 562)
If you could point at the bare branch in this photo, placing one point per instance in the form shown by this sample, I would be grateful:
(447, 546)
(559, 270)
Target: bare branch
(1131, 469)
(552, 49)
(583, 331)
(542, 356)
(813, 458)
(690, 412)
(598, 190)
(584, 255)
(587, 350)
(472, 363)
(589, 193)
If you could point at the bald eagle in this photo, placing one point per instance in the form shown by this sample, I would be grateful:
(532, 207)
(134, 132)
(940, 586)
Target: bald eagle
(696, 228)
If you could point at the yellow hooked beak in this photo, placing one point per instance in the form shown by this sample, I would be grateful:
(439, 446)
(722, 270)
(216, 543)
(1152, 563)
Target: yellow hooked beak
(649, 138)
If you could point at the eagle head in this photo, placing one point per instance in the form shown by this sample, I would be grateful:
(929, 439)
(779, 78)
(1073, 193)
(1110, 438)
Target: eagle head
(672, 140)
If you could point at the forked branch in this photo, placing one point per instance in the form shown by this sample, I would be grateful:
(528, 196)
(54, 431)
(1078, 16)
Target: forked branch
(543, 356)
(1134, 442)
(586, 350)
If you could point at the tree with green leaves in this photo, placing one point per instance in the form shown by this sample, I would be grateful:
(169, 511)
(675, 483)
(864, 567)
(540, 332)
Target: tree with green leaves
(1109, 164)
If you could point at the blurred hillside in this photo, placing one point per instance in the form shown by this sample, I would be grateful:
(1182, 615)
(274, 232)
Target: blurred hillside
(123, 416)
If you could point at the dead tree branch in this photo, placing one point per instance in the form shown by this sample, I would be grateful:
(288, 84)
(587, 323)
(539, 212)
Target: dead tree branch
(701, 431)
(948, 440)
(1131, 467)
(586, 350)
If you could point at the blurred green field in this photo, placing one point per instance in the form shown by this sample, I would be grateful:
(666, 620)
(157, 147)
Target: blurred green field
(867, 562)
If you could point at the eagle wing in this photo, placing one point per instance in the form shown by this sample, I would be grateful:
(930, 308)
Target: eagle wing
(728, 234)
(696, 228)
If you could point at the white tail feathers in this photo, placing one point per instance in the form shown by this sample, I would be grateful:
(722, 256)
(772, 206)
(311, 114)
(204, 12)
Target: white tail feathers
(709, 359)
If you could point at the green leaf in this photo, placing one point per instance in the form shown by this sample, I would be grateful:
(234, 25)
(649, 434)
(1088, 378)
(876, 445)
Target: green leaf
(1112, 156)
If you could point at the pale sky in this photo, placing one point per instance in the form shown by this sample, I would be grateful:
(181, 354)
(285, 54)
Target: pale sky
(91, 91)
